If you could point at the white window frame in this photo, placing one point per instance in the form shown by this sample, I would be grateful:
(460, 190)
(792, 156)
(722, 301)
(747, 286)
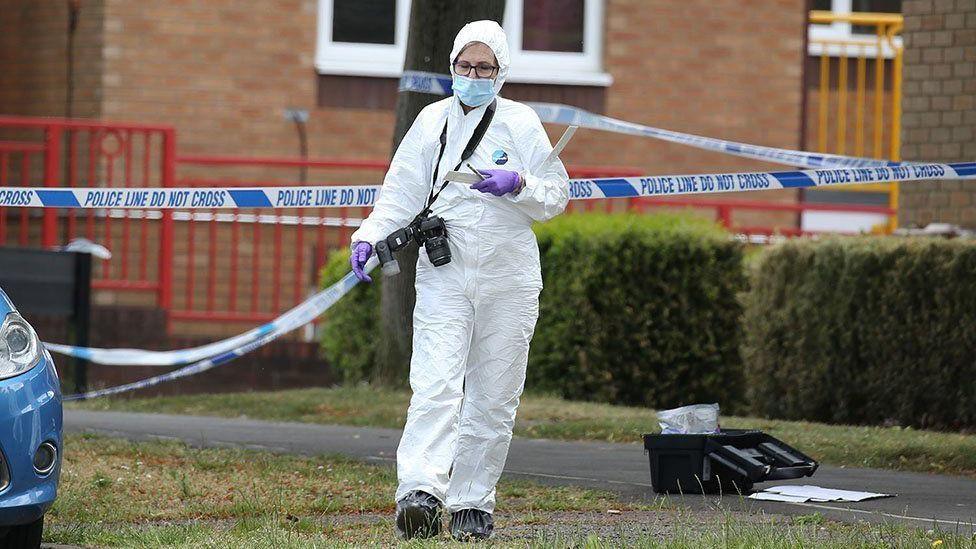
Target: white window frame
(360, 59)
(381, 60)
(552, 67)
(857, 44)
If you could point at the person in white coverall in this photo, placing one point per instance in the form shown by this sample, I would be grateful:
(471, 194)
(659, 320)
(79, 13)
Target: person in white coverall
(474, 316)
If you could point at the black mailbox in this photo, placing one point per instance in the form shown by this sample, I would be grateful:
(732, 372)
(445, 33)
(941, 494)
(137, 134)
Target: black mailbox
(51, 283)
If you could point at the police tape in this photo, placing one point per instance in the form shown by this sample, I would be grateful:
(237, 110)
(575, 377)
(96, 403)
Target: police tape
(344, 196)
(330, 296)
(555, 113)
(298, 316)
(670, 185)
(579, 189)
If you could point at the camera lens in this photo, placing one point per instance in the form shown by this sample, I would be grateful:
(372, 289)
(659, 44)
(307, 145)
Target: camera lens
(438, 251)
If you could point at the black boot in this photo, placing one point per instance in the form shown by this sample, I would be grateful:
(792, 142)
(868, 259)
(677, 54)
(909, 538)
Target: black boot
(418, 515)
(471, 525)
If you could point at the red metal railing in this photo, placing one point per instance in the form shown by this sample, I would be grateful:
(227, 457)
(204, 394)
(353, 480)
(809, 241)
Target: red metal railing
(56, 152)
(268, 250)
(250, 265)
(229, 265)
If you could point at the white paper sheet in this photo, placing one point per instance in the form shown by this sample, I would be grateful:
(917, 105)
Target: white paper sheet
(769, 496)
(464, 177)
(800, 493)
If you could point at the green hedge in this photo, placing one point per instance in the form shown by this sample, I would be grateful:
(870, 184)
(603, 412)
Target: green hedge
(352, 324)
(638, 309)
(635, 310)
(865, 330)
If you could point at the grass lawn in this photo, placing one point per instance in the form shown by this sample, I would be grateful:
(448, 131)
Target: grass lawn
(554, 418)
(116, 493)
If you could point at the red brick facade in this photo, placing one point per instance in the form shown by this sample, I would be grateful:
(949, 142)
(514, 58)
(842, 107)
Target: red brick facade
(223, 72)
(939, 107)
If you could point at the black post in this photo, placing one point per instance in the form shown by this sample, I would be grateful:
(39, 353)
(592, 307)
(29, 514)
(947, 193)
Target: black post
(74, 7)
(81, 319)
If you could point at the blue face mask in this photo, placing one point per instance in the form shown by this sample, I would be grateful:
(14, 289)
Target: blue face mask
(473, 92)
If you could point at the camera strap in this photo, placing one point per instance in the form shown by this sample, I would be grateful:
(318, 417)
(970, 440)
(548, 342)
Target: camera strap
(473, 143)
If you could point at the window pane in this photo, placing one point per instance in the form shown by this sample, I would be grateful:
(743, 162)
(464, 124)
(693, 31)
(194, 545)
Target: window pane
(884, 6)
(824, 5)
(552, 25)
(364, 21)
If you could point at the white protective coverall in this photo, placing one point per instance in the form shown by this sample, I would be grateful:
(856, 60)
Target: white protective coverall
(475, 316)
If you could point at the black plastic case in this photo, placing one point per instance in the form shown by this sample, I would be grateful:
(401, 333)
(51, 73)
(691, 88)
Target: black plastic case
(729, 462)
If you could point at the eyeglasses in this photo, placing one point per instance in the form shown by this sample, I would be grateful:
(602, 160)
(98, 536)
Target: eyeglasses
(483, 70)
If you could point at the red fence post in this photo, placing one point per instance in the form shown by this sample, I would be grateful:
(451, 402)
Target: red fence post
(168, 169)
(52, 163)
(725, 216)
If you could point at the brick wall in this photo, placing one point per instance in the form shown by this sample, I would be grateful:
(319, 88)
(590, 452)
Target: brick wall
(223, 72)
(33, 58)
(939, 107)
(701, 67)
(283, 364)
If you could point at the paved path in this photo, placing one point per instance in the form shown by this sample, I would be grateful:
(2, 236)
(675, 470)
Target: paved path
(923, 500)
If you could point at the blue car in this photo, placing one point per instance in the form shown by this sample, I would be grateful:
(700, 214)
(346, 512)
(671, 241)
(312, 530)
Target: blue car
(30, 430)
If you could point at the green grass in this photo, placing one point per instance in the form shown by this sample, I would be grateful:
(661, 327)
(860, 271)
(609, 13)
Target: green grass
(111, 488)
(548, 417)
(116, 493)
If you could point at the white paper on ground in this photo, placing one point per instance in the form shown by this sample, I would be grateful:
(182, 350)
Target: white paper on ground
(769, 496)
(800, 493)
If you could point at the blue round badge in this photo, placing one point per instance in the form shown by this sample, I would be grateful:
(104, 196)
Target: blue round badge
(500, 157)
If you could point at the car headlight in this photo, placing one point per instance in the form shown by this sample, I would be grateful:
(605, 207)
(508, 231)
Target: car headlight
(19, 347)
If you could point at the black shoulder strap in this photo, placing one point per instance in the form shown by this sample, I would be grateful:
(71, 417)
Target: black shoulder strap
(478, 134)
(476, 137)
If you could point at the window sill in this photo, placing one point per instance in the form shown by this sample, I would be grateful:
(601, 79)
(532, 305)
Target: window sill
(600, 79)
(852, 48)
(338, 68)
(837, 44)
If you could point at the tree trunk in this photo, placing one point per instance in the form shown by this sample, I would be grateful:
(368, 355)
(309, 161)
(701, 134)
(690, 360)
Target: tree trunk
(433, 26)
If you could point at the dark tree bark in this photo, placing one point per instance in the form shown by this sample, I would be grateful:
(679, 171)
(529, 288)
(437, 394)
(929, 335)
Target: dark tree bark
(433, 26)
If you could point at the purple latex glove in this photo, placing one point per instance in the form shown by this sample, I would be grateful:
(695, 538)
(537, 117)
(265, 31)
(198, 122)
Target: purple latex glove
(498, 182)
(360, 254)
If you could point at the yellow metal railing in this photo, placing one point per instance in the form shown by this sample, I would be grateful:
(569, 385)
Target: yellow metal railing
(834, 101)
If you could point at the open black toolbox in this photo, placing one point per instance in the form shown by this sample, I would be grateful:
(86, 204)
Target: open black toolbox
(726, 462)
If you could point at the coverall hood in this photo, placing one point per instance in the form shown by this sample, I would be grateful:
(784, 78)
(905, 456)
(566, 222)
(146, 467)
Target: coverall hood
(491, 34)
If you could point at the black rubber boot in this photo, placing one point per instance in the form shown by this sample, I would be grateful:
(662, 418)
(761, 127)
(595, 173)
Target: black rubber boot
(471, 525)
(418, 515)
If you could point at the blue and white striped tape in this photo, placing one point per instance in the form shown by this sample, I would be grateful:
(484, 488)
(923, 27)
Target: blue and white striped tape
(296, 317)
(329, 297)
(347, 196)
(440, 84)
(671, 185)
(580, 189)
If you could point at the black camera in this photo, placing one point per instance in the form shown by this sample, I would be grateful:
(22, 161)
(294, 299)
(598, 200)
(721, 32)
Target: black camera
(430, 232)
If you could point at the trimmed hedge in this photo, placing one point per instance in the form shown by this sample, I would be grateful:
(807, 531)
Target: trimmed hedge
(352, 324)
(637, 309)
(864, 330)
